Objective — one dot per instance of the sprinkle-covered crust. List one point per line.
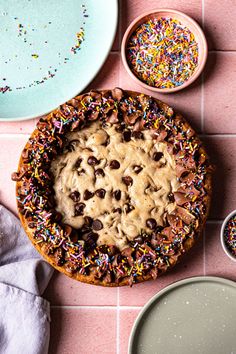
(75, 251)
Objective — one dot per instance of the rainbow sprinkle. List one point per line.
(230, 235)
(162, 53)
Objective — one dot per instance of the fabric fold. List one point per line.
(24, 275)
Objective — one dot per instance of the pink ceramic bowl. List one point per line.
(186, 21)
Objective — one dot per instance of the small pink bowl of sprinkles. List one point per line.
(164, 50)
(228, 235)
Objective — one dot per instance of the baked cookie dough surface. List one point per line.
(124, 184)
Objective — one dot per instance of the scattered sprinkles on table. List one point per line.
(230, 235)
(162, 53)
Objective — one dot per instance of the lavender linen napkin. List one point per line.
(24, 275)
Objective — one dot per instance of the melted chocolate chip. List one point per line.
(79, 209)
(120, 128)
(127, 135)
(157, 156)
(137, 135)
(100, 193)
(81, 172)
(88, 195)
(117, 194)
(151, 223)
(92, 161)
(117, 210)
(114, 164)
(75, 196)
(128, 208)
(171, 197)
(78, 162)
(139, 239)
(99, 172)
(159, 229)
(32, 225)
(88, 220)
(137, 169)
(97, 225)
(127, 180)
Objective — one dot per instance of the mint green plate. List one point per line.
(192, 316)
(37, 61)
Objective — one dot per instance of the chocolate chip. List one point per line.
(90, 239)
(99, 172)
(171, 197)
(117, 210)
(120, 128)
(157, 156)
(78, 162)
(32, 225)
(151, 223)
(114, 164)
(97, 225)
(81, 172)
(79, 209)
(88, 195)
(75, 196)
(128, 208)
(159, 229)
(127, 180)
(137, 169)
(100, 193)
(88, 220)
(127, 135)
(139, 239)
(117, 194)
(137, 135)
(92, 161)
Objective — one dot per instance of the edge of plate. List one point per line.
(168, 289)
(15, 119)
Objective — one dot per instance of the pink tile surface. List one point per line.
(219, 93)
(11, 147)
(134, 8)
(220, 24)
(86, 319)
(85, 331)
(63, 290)
(127, 318)
(216, 261)
(222, 150)
(22, 127)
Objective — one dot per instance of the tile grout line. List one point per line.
(202, 75)
(202, 103)
(97, 307)
(204, 253)
(118, 322)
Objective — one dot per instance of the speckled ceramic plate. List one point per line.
(196, 315)
(42, 63)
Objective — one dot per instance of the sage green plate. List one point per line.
(192, 316)
(37, 61)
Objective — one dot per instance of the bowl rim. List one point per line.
(225, 248)
(200, 66)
